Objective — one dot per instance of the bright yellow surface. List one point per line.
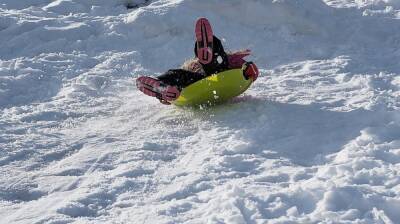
(214, 89)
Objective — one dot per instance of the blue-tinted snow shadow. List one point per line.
(304, 134)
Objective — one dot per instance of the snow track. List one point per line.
(315, 140)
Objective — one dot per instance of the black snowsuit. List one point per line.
(182, 78)
(219, 54)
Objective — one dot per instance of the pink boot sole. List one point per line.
(153, 87)
(204, 38)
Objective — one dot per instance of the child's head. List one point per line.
(193, 65)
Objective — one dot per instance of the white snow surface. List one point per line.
(316, 139)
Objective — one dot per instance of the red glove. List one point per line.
(250, 70)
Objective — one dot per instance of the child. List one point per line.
(210, 59)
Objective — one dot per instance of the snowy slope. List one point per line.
(315, 140)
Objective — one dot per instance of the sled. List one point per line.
(214, 89)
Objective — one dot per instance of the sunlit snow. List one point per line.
(316, 139)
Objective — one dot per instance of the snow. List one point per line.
(315, 140)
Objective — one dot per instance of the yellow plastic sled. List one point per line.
(214, 89)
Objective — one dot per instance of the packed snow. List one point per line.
(316, 139)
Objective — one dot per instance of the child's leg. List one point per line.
(180, 78)
(208, 48)
(219, 62)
